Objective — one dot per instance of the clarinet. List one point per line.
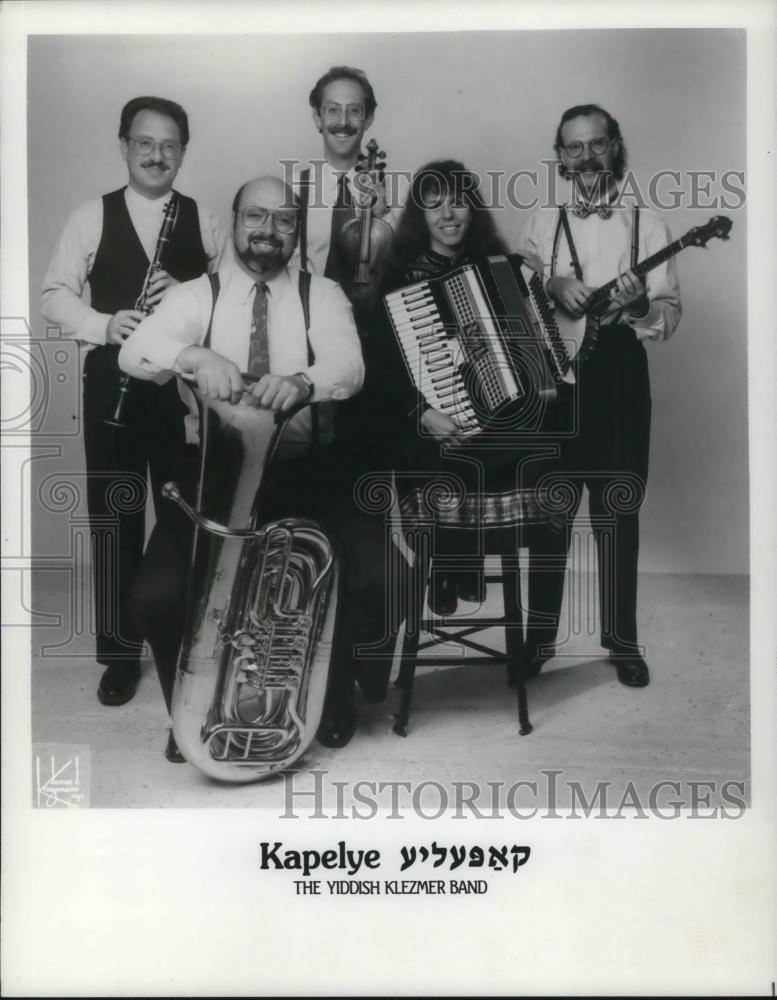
(141, 303)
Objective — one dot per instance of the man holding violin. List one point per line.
(113, 244)
(346, 231)
(343, 104)
(297, 340)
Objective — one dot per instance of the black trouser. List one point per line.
(609, 456)
(308, 488)
(118, 461)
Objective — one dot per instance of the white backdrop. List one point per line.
(492, 100)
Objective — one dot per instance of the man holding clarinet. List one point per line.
(129, 246)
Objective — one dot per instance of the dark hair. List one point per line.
(613, 132)
(445, 177)
(162, 107)
(344, 73)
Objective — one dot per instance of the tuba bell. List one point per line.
(254, 662)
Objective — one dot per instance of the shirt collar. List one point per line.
(137, 201)
(243, 284)
(331, 176)
(601, 206)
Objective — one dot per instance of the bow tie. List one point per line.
(582, 210)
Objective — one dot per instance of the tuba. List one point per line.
(254, 662)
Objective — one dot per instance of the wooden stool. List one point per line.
(420, 540)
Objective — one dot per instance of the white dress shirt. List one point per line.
(604, 250)
(71, 264)
(181, 320)
(322, 196)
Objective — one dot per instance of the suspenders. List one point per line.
(563, 223)
(304, 294)
(304, 197)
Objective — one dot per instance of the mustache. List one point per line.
(588, 165)
(348, 129)
(156, 163)
(272, 240)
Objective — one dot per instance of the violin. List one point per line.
(364, 241)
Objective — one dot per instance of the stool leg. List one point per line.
(419, 582)
(514, 647)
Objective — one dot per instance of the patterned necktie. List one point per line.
(258, 350)
(341, 213)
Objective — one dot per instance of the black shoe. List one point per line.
(442, 595)
(632, 669)
(337, 727)
(172, 752)
(373, 679)
(118, 684)
(471, 586)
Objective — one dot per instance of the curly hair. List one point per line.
(440, 178)
(344, 73)
(613, 133)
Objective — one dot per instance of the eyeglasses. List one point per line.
(597, 146)
(255, 217)
(145, 145)
(333, 112)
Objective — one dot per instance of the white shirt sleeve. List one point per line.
(179, 321)
(662, 284)
(338, 368)
(61, 299)
(535, 240)
(212, 237)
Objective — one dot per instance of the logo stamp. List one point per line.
(60, 776)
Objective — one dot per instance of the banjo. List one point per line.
(581, 332)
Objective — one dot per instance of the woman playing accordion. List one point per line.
(493, 470)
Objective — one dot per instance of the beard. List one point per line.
(596, 183)
(264, 257)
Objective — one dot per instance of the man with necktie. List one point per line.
(586, 243)
(343, 105)
(254, 321)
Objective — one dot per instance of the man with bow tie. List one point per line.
(586, 243)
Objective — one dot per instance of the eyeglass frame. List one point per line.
(353, 112)
(583, 145)
(138, 139)
(271, 213)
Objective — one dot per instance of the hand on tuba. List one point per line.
(279, 393)
(216, 377)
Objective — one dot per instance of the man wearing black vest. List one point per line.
(109, 244)
(343, 105)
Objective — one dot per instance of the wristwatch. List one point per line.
(307, 382)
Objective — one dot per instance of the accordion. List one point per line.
(481, 343)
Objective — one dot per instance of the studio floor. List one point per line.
(690, 724)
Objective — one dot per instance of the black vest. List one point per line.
(120, 263)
